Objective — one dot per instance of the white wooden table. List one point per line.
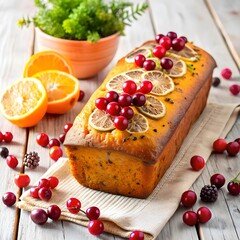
(210, 24)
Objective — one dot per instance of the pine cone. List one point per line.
(209, 193)
(31, 160)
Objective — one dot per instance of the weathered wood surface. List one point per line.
(191, 18)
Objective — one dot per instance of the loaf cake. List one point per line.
(131, 162)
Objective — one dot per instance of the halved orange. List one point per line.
(24, 103)
(62, 90)
(46, 60)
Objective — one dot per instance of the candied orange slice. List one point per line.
(62, 90)
(24, 103)
(46, 60)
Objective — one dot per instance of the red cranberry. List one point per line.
(22, 180)
(190, 218)
(12, 161)
(53, 182)
(127, 112)
(158, 37)
(188, 198)
(54, 142)
(204, 214)
(129, 87)
(146, 87)
(159, 51)
(95, 227)
(34, 192)
(232, 148)
(62, 137)
(9, 199)
(120, 123)
(197, 163)
(218, 180)
(112, 96)
(44, 183)
(45, 193)
(139, 60)
(219, 145)
(93, 213)
(136, 235)
(73, 205)
(81, 96)
(54, 212)
(67, 127)
(101, 103)
(42, 139)
(1, 137)
(166, 42)
(166, 63)
(234, 89)
(237, 140)
(125, 99)
(178, 44)
(39, 216)
(7, 137)
(55, 153)
(184, 38)
(172, 35)
(139, 99)
(233, 188)
(226, 73)
(149, 65)
(113, 108)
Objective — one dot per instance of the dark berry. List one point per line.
(54, 142)
(139, 99)
(190, 218)
(237, 140)
(149, 65)
(136, 235)
(218, 180)
(9, 199)
(93, 213)
(7, 137)
(219, 145)
(112, 96)
(39, 216)
(4, 152)
(172, 35)
(81, 96)
(184, 38)
(209, 193)
(216, 81)
(95, 227)
(188, 198)
(226, 73)
(178, 44)
(233, 188)
(54, 212)
(232, 148)
(62, 137)
(125, 99)
(204, 214)
(166, 63)
(197, 163)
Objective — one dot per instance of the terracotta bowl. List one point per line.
(87, 58)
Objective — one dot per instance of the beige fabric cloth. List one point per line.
(121, 214)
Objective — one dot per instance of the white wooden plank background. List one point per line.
(186, 17)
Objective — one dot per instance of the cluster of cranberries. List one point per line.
(171, 40)
(118, 106)
(55, 151)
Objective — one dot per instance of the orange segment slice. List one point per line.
(62, 90)
(46, 60)
(24, 103)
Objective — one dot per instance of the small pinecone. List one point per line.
(31, 160)
(209, 193)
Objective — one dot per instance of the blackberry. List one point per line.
(4, 152)
(216, 81)
(209, 193)
(31, 160)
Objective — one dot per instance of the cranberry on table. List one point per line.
(129, 87)
(232, 148)
(67, 127)
(233, 188)
(101, 103)
(127, 112)
(145, 87)
(54, 212)
(62, 137)
(54, 142)
(45, 193)
(9, 199)
(4, 152)
(120, 123)
(95, 227)
(234, 89)
(136, 235)
(43, 183)
(218, 180)
(216, 81)
(204, 214)
(226, 73)
(219, 145)
(158, 37)
(197, 163)
(55, 153)
(159, 51)
(39, 216)
(178, 44)
(53, 182)
(12, 161)
(190, 218)
(81, 95)
(166, 63)
(34, 192)
(172, 35)
(22, 180)
(7, 137)
(42, 139)
(139, 99)
(1, 137)
(125, 99)
(139, 60)
(113, 108)
(149, 65)
(73, 205)
(166, 42)
(112, 96)
(188, 198)
(93, 213)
